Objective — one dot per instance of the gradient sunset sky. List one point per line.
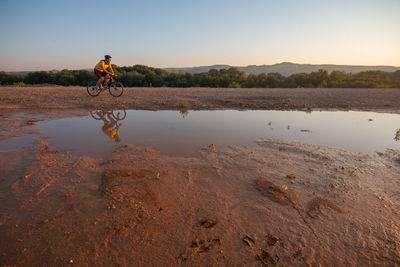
(44, 35)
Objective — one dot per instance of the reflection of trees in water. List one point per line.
(397, 135)
(111, 122)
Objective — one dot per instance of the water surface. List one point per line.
(184, 133)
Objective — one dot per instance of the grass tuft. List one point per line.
(183, 105)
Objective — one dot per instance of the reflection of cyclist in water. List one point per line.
(111, 128)
(111, 122)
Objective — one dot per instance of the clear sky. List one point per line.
(75, 34)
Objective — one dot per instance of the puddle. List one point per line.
(184, 133)
(17, 142)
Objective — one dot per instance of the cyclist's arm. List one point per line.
(112, 71)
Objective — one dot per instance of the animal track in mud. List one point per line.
(270, 254)
(313, 207)
(204, 245)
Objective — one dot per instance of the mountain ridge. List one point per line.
(287, 68)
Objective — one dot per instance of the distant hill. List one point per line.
(26, 72)
(287, 68)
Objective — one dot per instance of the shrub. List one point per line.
(234, 85)
(19, 84)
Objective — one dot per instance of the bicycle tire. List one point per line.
(91, 91)
(116, 89)
(119, 115)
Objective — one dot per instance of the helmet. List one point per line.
(107, 56)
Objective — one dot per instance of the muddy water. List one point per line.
(183, 133)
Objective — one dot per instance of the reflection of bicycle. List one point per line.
(114, 87)
(118, 115)
(111, 121)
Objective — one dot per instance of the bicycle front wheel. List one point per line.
(91, 89)
(116, 89)
(119, 115)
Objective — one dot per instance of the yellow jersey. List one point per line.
(102, 65)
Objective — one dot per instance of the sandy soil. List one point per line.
(282, 203)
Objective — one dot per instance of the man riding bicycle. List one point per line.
(103, 70)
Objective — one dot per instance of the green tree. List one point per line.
(275, 80)
(319, 79)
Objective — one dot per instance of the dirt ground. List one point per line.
(202, 98)
(282, 203)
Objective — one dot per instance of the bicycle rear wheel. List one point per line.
(96, 114)
(116, 89)
(90, 89)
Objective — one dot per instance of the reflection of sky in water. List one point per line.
(170, 133)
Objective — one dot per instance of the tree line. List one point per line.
(140, 75)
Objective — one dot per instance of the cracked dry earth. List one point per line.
(282, 203)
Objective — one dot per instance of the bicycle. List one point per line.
(114, 87)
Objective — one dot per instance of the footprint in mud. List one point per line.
(313, 207)
(201, 242)
(204, 245)
(282, 195)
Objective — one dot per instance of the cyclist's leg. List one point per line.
(107, 78)
(99, 81)
(100, 75)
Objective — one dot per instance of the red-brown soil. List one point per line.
(281, 203)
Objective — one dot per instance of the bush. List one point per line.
(19, 84)
(234, 85)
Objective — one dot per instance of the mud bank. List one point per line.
(281, 203)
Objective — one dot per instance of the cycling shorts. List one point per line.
(100, 73)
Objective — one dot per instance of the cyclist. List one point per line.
(103, 70)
